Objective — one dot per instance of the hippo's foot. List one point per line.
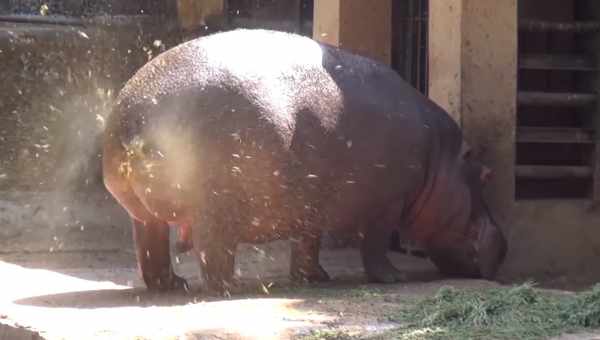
(153, 256)
(314, 275)
(374, 248)
(216, 264)
(305, 265)
(169, 283)
(384, 272)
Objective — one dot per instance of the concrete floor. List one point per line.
(98, 295)
(66, 273)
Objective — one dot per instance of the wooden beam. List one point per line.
(553, 172)
(194, 13)
(363, 27)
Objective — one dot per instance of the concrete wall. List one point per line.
(57, 86)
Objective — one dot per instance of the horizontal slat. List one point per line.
(556, 62)
(553, 172)
(527, 98)
(554, 135)
(530, 25)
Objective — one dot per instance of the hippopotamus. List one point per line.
(256, 135)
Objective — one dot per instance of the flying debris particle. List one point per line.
(312, 176)
(177, 260)
(235, 155)
(276, 173)
(100, 121)
(148, 191)
(44, 9)
(54, 108)
(349, 144)
(83, 34)
(255, 222)
(157, 43)
(178, 186)
(350, 182)
(82, 227)
(154, 101)
(3, 176)
(264, 288)
(147, 254)
(160, 154)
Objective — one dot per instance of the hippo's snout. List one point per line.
(492, 247)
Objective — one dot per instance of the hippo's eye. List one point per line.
(467, 154)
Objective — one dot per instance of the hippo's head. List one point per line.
(467, 242)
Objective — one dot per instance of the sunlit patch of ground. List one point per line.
(99, 296)
(74, 295)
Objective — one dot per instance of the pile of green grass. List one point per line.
(520, 312)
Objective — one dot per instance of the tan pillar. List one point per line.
(489, 86)
(445, 55)
(473, 74)
(195, 13)
(363, 27)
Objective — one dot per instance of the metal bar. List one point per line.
(101, 20)
(553, 172)
(557, 62)
(554, 135)
(526, 98)
(596, 157)
(531, 25)
(41, 19)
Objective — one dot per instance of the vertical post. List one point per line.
(596, 160)
(473, 75)
(445, 55)
(363, 27)
(489, 90)
(194, 14)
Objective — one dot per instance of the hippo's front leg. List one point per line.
(151, 240)
(215, 250)
(305, 265)
(374, 247)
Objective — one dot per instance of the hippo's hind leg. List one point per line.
(374, 248)
(184, 240)
(214, 244)
(305, 265)
(151, 239)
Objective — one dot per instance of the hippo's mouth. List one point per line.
(479, 257)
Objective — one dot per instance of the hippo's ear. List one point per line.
(486, 174)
